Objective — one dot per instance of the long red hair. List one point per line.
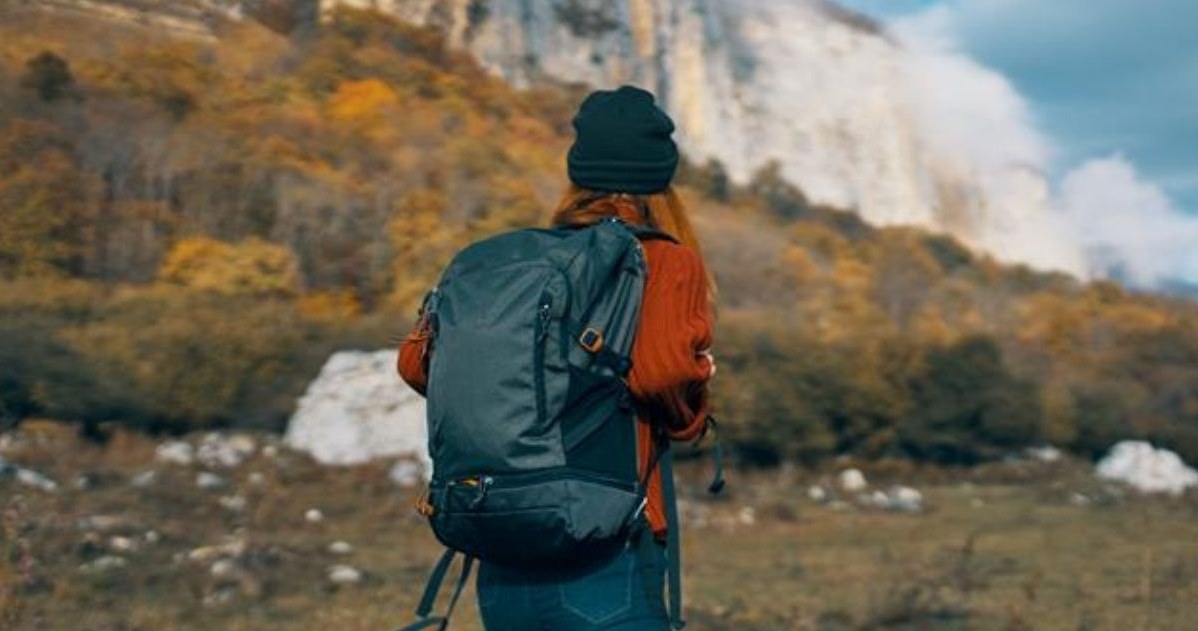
(663, 210)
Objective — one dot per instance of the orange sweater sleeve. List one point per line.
(669, 373)
(413, 357)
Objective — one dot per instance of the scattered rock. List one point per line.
(151, 537)
(270, 451)
(103, 564)
(28, 477)
(341, 548)
(875, 499)
(123, 544)
(144, 479)
(407, 473)
(32, 478)
(231, 549)
(358, 409)
(747, 516)
(313, 516)
(208, 481)
(256, 479)
(817, 493)
(220, 597)
(108, 524)
(177, 452)
(852, 480)
(235, 503)
(904, 499)
(1045, 453)
(228, 451)
(223, 568)
(344, 575)
(897, 498)
(1147, 469)
(1080, 499)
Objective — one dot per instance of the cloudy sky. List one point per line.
(1112, 88)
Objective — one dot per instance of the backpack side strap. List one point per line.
(429, 598)
(673, 538)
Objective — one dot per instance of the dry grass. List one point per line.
(998, 549)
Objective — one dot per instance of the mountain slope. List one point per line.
(822, 91)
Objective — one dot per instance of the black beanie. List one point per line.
(622, 143)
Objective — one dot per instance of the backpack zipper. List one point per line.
(542, 331)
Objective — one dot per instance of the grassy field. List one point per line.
(1003, 547)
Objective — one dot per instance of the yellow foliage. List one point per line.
(362, 101)
(331, 305)
(251, 267)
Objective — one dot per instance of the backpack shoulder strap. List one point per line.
(644, 233)
(429, 598)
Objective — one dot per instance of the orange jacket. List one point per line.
(669, 374)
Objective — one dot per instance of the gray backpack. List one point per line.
(530, 421)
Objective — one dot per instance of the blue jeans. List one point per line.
(624, 593)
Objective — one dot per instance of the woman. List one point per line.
(621, 165)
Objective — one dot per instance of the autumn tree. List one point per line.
(49, 76)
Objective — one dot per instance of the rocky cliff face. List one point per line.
(823, 91)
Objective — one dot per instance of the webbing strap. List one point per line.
(673, 539)
(717, 476)
(433, 587)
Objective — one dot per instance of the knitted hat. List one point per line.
(622, 143)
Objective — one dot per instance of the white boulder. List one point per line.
(219, 450)
(344, 575)
(175, 452)
(1044, 453)
(103, 564)
(359, 409)
(28, 477)
(852, 480)
(1146, 468)
(207, 480)
(904, 499)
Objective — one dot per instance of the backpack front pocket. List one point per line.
(535, 519)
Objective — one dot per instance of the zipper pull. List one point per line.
(483, 482)
(543, 321)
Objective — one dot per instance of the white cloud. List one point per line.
(1125, 221)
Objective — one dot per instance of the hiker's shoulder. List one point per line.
(664, 253)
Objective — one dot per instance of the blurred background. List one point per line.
(956, 245)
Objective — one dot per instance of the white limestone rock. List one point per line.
(177, 452)
(344, 575)
(1146, 468)
(358, 409)
(228, 451)
(852, 480)
(208, 481)
(28, 477)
